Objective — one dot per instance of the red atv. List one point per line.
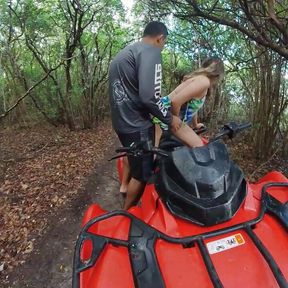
(199, 224)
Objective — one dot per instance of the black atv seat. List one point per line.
(201, 184)
(169, 142)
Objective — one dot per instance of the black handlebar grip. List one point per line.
(244, 126)
(123, 149)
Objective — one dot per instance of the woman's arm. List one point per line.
(195, 123)
(195, 120)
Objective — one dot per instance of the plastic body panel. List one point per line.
(183, 265)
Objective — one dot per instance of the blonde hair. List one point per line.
(211, 67)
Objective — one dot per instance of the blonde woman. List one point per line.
(192, 92)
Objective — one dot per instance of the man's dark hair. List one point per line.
(155, 28)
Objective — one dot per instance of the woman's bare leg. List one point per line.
(188, 136)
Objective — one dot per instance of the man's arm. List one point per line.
(149, 79)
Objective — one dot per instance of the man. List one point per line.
(135, 77)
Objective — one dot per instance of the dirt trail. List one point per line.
(50, 265)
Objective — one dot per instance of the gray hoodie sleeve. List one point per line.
(149, 79)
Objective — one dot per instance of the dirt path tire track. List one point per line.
(50, 265)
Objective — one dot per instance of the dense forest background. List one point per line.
(55, 57)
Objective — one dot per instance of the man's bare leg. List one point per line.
(126, 176)
(158, 134)
(135, 190)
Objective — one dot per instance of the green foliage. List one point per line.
(35, 36)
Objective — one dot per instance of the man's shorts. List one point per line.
(141, 167)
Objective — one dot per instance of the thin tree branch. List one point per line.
(283, 51)
(277, 22)
(29, 91)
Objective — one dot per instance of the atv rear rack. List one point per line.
(143, 259)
